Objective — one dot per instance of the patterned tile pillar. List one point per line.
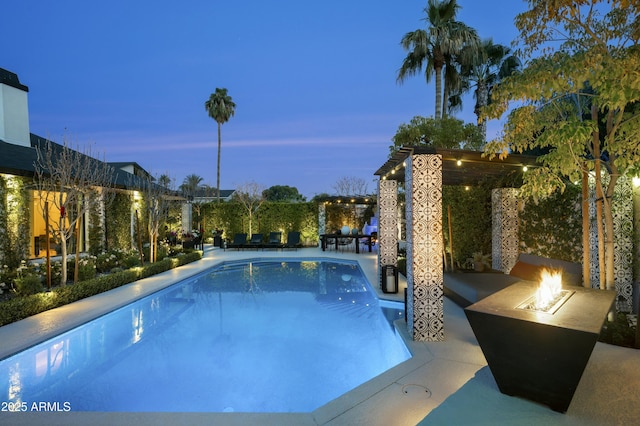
(622, 210)
(425, 296)
(187, 217)
(322, 219)
(387, 224)
(636, 244)
(504, 232)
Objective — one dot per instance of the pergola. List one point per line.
(424, 170)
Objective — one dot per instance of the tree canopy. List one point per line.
(283, 193)
(436, 49)
(447, 132)
(576, 100)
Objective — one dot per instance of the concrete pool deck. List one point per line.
(443, 383)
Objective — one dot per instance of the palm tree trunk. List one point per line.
(219, 145)
(482, 99)
(438, 72)
(445, 98)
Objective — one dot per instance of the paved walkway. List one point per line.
(443, 383)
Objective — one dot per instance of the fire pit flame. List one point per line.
(549, 296)
(549, 290)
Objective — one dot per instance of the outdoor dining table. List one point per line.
(325, 237)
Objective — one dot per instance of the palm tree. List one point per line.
(443, 39)
(165, 181)
(220, 107)
(484, 68)
(190, 185)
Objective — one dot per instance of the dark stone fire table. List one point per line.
(537, 355)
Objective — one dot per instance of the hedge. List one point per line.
(22, 307)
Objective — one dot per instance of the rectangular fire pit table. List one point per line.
(536, 355)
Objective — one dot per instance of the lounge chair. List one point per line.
(275, 240)
(293, 240)
(255, 241)
(239, 241)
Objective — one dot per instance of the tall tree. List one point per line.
(165, 181)
(190, 185)
(448, 132)
(484, 68)
(578, 102)
(221, 108)
(284, 193)
(250, 196)
(157, 200)
(189, 188)
(435, 48)
(350, 186)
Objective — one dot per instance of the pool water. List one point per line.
(258, 336)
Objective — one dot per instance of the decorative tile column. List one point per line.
(425, 315)
(622, 210)
(387, 223)
(504, 232)
(322, 219)
(187, 217)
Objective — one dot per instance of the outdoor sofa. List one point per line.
(467, 288)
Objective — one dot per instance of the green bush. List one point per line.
(106, 261)
(29, 284)
(131, 261)
(24, 306)
(155, 268)
(183, 259)
(232, 218)
(618, 332)
(86, 268)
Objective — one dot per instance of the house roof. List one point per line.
(16, 159)
(20, 161)
(11, 79)
(459, 167)
(138, 170)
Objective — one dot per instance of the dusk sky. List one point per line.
(314, 82)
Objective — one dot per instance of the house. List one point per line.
(22, 218)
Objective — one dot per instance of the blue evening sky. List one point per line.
(314, 82)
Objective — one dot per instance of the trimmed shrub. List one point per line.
(106, 262)
(24, 306)
(27, 285)
(131, 261)
(86, 268)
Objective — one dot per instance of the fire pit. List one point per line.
(549, 296)
(539, 349)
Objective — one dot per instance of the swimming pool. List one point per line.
(257, 336)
